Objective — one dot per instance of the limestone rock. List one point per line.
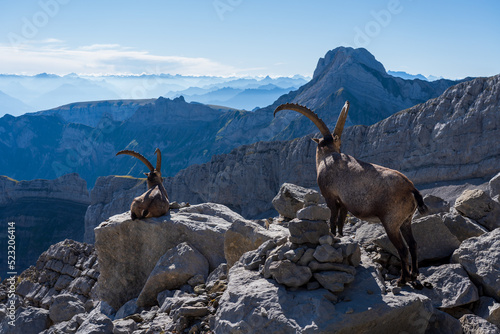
(487, 308)
(451, 286)
(314, 212)
(265, 306)
(443, 323)
(123, 326)
(290, 199)
(351, 252)
(435, 205)
(30, 320)
(368, 232)
(288, 273)
(434, 239)
(244, 236)
(96, 322)
(494, 187)
(333, 280)
(480, 257)
(472, 324)
(306, 231)
(64, 307)
(173, 270)
(326, 253)
(127, 309)
(477, 205)
(128, 250)
(462, 227)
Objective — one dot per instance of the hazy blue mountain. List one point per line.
(12, 106)
(407, 76)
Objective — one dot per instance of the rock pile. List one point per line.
(310, 257)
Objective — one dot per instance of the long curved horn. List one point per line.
(339, 127)
(138, 156)
(158, 159)
(309, 114)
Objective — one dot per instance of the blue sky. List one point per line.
(453, 39)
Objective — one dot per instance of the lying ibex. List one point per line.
(366, 190)
(154, 202)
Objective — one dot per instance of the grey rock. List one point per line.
(434, 204)
(351, 252)
(265, 306)
(494, 186)
(307, 257)
(127, 309)
(477, 205)
(290, 199)
(326, 253)
(288, 273)
(219, 273)
(314, 212)
(480, 257)
(30, 320)
(434, 239)
(64, 307)
(443, 323)
(487, 308)
(462, 227)
(244, 236)
(368, 232)
(451, 286)
(96, 323)
(306, 231)
(173, 270)
(317, 266)
(326, 240)
(334, 280)
(143, 242)
(124, 326)
(295, 254)
(472, 324)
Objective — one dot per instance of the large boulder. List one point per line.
(128, 250)
(265, 306)
(173, 270)
(451, 286)
(462, 227)
(244, 236)
(480, 257)
(434, 239)
(477, 205)
(291, 198)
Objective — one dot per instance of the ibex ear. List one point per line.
(147, 174)
(316, 140)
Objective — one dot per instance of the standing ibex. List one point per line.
(364, 189)
(154, 202)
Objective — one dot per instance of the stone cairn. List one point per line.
(310, 257)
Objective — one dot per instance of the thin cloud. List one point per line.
(53, 56)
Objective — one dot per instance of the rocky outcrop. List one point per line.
(44, 212)
(130, 249)
(425, 142)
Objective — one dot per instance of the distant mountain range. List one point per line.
(21, 94)
(84, 137)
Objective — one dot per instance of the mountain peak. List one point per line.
(345, 56)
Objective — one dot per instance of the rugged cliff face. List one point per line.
(453, 137)
(44, 212)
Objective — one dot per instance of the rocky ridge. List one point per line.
(152, 281)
